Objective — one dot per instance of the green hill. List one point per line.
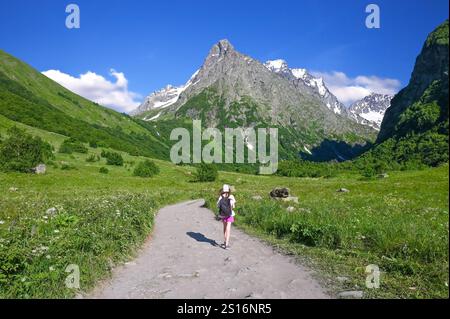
(28, 97)
(415, 127)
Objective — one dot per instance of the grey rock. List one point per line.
(279, 192)
(342, 279)
(40, 169)
(290, 199)
(290, 209)
(257, 197)
(343, 190)
(13, 189)
(51, 211)
(384, 175)
(355, 294)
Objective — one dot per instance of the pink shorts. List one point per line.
(228, 219)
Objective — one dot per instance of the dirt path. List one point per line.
(182, 260)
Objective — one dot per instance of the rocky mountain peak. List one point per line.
(221, 49)
(277, 66)
(371, 109)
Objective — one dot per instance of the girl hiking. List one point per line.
(226, 204)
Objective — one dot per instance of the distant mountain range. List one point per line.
(367, 111)
(232, 89)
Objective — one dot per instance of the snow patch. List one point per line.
(154, 117)
(307, 150)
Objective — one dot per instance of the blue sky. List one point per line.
(151, 44)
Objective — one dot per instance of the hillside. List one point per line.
(428, 84)
(28, 97)
(415, 126)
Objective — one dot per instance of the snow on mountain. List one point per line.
(301, 77)
(163, 98)
(371, 109)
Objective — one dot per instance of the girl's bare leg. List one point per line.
(224, 232)
(227, 234)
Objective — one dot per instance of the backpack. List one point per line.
(225, 207)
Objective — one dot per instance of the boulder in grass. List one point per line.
(51, 211)
(290, 209)
(351, 294)
(40, 169)
(290, 199)
(279, 192)
(343, 190)
(13, 189)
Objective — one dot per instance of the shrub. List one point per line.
(206, 173)
(93, 144)
(113, 158)
(67, 167)
(21, 151)
(146, 169)
(368, 172)
(92, 158)
(103, 170)
(72, 145)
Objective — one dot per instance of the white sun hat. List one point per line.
(226, 188)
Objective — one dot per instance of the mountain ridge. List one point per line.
(233, 89)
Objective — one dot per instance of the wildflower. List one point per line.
(48, 257)
(51, 268)
(2, 222)
(56, 231)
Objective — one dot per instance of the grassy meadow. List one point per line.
(76, 215)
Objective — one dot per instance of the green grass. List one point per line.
(101, 219)
(399, 223)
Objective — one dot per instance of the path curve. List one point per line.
(182, 260)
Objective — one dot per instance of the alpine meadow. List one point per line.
(358, 186)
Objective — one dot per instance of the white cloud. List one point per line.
(349, 90)
(98, 89)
